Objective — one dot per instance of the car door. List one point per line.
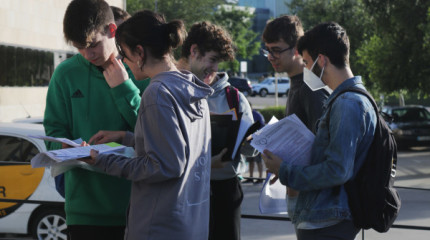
(18, 180)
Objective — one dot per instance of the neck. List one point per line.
(183, 64)
(296, 66)
(337, 76)
(155, 67)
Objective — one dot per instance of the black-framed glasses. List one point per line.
(274, 53)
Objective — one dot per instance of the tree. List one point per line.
(238, 23)
(398, 53)
(190, 11)
(350, 14)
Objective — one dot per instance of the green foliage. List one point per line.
(398, 53)
(190, 11)
(278, 112)
(390, 39)
(238, 23)
(350, 14)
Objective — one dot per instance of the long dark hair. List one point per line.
(150, 30)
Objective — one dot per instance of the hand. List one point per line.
(107, 136)
(216, 160)
(272, 162)
(115, 73)
(92, 159)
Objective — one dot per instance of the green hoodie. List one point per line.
(79, 104)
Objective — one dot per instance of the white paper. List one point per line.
(288, 138)
(58, 167)
(273, 197)
(73, 143)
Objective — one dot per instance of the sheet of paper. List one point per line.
(288, 138)
(73, 143)
(273, 197)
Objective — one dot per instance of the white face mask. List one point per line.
(313, 81)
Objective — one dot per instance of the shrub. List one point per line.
(278, 112)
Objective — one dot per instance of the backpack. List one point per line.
(232, 97)
(372, 198)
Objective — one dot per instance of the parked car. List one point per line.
(242, 84)
(29, 203)
(268, 86)
(410, 125)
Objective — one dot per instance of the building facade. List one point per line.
(31, 46)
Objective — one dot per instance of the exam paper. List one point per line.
(288, 138)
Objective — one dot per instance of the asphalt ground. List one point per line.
(413, 222)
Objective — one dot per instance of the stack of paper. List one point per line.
(64, 159)
(291, 140)
(288, 138)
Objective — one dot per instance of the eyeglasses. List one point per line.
(274, 53)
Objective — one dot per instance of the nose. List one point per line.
(270, 57)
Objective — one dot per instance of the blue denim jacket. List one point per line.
(336, 157)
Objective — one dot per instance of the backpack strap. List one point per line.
(356, 90)
(232, 97)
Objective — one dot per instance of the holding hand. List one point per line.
(107, 136)
(272, 162)
(115, 73)
(216, 160)
(92, 159)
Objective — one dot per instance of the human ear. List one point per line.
(112, 30)
(194, 50)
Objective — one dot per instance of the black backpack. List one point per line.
(372, 198)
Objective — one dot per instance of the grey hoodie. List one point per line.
(170, 175)
(218, 104)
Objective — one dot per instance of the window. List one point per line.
(14, 149)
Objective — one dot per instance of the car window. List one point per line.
(410, 114)
(14, 149)
(267, 81)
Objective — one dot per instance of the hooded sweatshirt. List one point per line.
(218, 104)
(171, 173)
(79, 103)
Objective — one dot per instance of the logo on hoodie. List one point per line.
(77, 94)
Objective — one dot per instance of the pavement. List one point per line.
(412, 180)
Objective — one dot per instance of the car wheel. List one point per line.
(250, 93)
(263, 92)
(49, 224)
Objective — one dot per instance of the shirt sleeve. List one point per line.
(127, 100)
(164, 156)
(335, 166)
(56, 117)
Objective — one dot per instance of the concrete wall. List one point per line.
(21, 102)
(36, 23)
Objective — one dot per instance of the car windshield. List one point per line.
(410, 114)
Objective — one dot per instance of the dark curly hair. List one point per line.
(209, 37)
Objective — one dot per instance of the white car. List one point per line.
(268, 86)
(29, 202)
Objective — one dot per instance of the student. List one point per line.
(280, 37)
(80, 102)
(339, 148)
(205, 47)
(171, 171)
